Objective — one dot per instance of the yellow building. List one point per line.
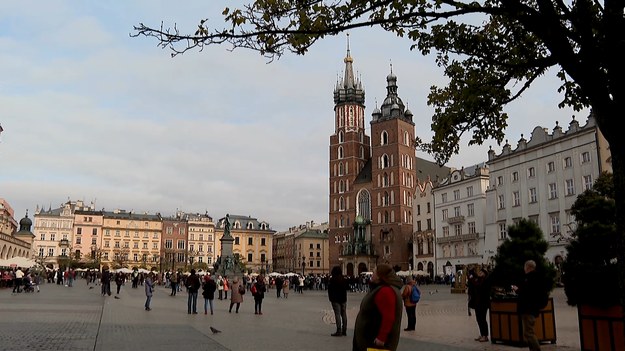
(311, 251)
(131, 239)
(201, 241)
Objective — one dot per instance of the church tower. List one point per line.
(349, 151)
(393, 177)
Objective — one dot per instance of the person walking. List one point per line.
(300, 286)
(193, 286)
(258, 291)
(236, 298)
(479, 300)
(226, 287)
(529, 304)
(105, 280)
(410, 304)
(337, 294)
(18, 276)
(220, 287)
(279, 282)
(119, 280)
(208, 292)
(149, 289)
(173, 282)
(285, 288)
(378, 322)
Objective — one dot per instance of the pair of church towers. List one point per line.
(372, 179)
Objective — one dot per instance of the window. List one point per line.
(136, 245)
(78, 230)
(516, 198)
(145, 246)
(384, 138)
(470, 210)
(445, 231)
(340, 136)
(443, 198)
(429, 222)
(170, 230)
(340, 152)
(551, 167)
(457, 211)
(533, 195)
(418, 210)
(250, 241)
(554, 218)
(236, 240)
(587, 182)
(249, 257)
(52, 237)
(458, 229)
(135, 257)
(445, 214)
(502, 231)
(50, 252)
(429, 207)
(471, 227)
(126, 245)
(531, 172)
(500, 180)
(553, 191)
(418, 226)
(515, 176)
(117, 233)
(469, 191)
(94, 231)
(107, 233)
(568, 162)
(585, 157)
(107, 244)
(43, 237)
(318, 246)
(263, 242)
(456, 194)
(570, 187)
(93, 241)
(181, 244)
(534, 219)
(501, 202)
(116, 245)
(78, 240)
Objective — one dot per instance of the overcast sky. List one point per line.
(91, 114)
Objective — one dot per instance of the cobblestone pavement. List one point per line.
(79, 318)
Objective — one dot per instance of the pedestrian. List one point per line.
(135, 278)
(226, 287)
(106, 281)
(529, 302)
(300, 286)
(479, 300)
(279, 283)
(258, 291)
(173, 281)
(220, 287)
(18, 276)
(378, 322)
(337, 294)
(119, 281)
(208, 292)
(236, 297)
(285, 288)
(409, 304)
(193, 286)
(70, 277)
(149, 290)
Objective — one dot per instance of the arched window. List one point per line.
(364, 204)
(385, 199)
(385, 179)
(341, 137)
(406, 138)
(386, 217)
(341, 204)
(362, 152)
(384, 138)
(341, 168)
(340, 152)
(341, 186)
(361, 137)
(385, 161)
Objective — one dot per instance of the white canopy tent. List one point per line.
(22, 262)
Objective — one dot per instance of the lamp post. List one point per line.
(303, 264)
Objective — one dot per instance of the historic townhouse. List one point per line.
(290, 246)
(87, 245)
(173, 243)
(131, 239)
(201, 239)
(460, 212)
(54, 231)
(252, 241)
(541, 178)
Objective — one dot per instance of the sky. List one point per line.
(90, 113)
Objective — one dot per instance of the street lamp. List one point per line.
(303, 264)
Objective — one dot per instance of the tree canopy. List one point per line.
(491, 51)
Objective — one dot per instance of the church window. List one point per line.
(340, 152)
(406, 138)
(364, 204)
(341, 204)
(341, 137)
(361, 137)
(384, 138)
(385, 180)
(341, 168)
(362, 152)
(385, 161)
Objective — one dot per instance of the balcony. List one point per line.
(456, 238)
(456, 219)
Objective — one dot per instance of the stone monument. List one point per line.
(227, 264)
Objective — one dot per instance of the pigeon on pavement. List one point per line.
(215, 331)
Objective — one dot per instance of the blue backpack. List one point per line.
(415, 296)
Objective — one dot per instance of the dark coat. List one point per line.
(479, 292)
(260, 290)
(193, 283)
(208, 289)
(530, 295)
(337, 289)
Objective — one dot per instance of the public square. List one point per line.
(79, 318)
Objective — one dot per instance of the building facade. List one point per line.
(540, 180)
(54, 231)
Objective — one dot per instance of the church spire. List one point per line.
(350, 90)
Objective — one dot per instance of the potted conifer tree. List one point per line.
(525, 242)
(590, 274)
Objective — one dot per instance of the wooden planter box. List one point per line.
(601, 329)
(506, 326)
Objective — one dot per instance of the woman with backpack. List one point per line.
(409, 297)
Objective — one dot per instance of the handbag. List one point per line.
(241, 290)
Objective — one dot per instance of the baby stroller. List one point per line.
(28, 286)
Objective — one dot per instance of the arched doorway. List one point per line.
(362, 267)
(350, 269)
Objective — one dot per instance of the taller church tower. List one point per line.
(349, 152)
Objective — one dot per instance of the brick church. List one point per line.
(372, 179)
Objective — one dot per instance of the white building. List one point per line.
(541, 179)
(460, 213)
